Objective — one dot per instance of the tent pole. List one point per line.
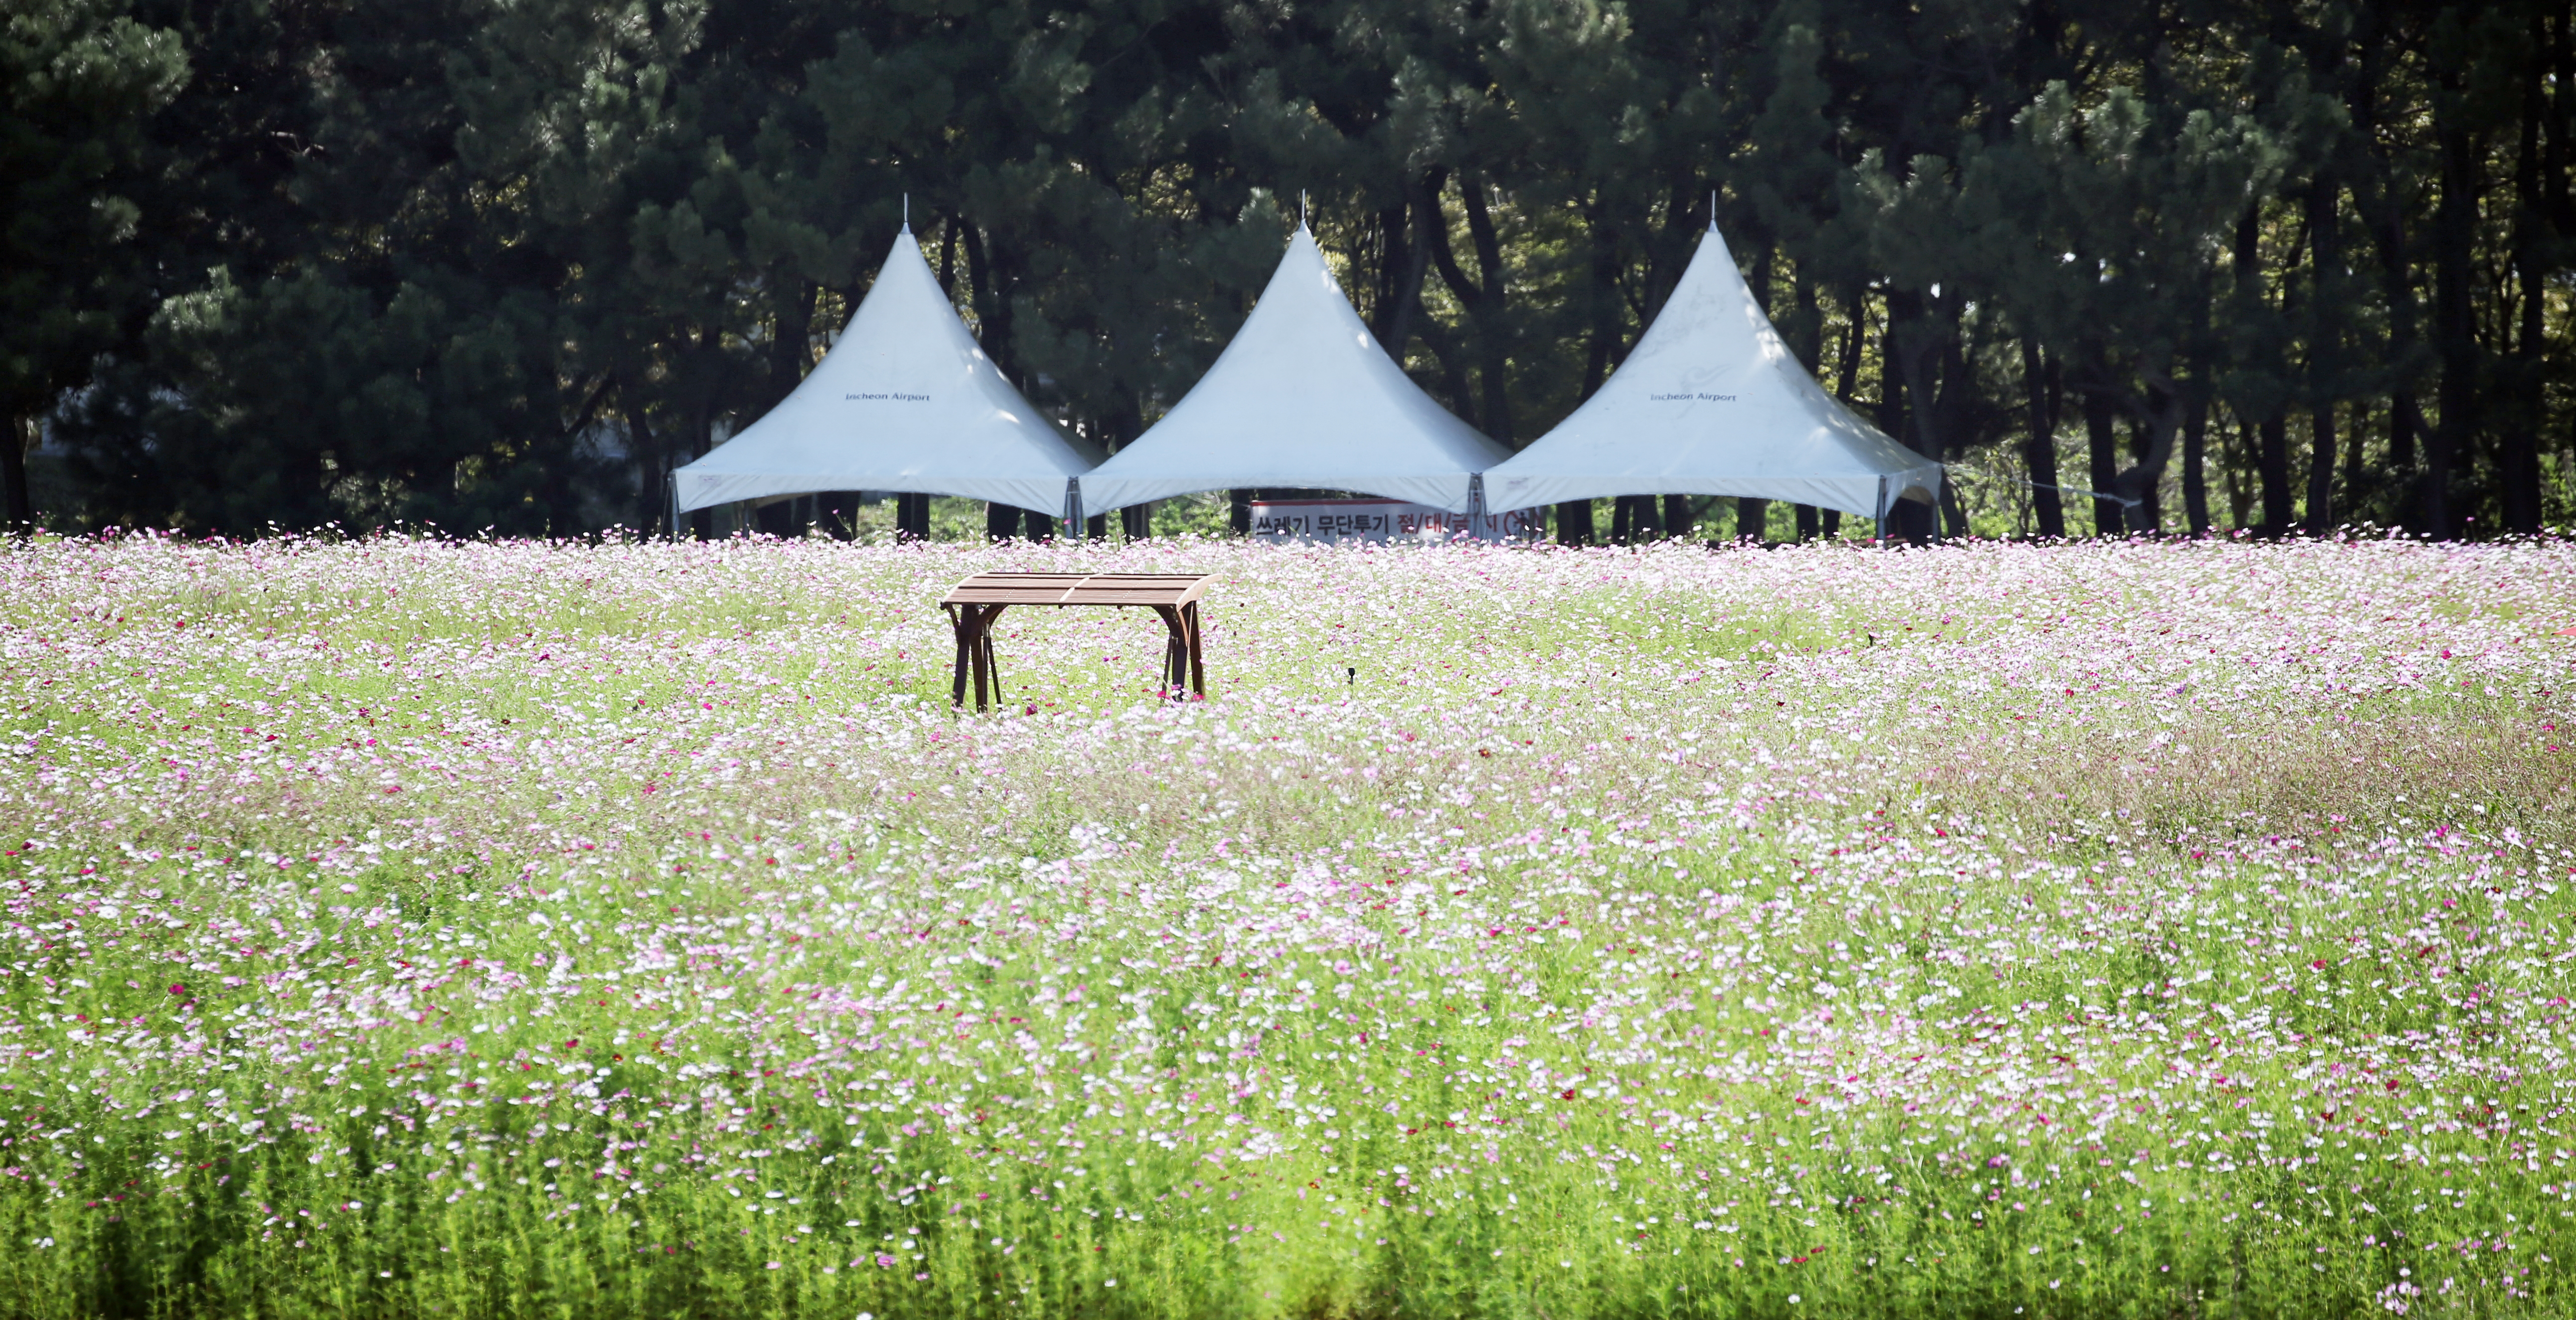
(1882, 510)
(1073, 506)
(671, 493)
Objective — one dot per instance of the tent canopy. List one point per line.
(1710, 402)
(904, 402)
(1302, 397)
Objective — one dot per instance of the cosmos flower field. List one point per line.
(403, 928)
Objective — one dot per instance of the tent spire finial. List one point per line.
(907, 213)
(1301, 208)
(1712, 208)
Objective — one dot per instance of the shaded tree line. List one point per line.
(2173, 265)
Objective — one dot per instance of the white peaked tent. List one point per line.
(1710, 402)
(904, 402)
(1302, 397)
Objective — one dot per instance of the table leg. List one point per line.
(982, 661)
(987, 669)
(957, 621)
(1198, 663)
(1176, 662)
(992, 662)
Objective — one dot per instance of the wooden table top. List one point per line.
(1078, 589)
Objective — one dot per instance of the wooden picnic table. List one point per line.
(973, 604)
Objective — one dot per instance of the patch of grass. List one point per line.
(508, 930)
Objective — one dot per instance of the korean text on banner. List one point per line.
(1388, 520)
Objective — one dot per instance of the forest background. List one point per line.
(501, 264)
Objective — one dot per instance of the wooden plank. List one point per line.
(1004, 596)
(1139, 589)
(1078, 589)
(1014, 588)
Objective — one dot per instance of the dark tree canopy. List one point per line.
(2250, 265)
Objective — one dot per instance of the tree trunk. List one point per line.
(2148, 513)
(2325, 348)
(1855, 331)
(1001, 521)
(2159, 422)
(1493, 324)
(1677, 515)
(1917, 347)
(1574, 522)
(992, 303)
(2520, 476)
(2240, 501)
(2272, 445)
(2454, 314)
(1847, 378)
(21, 513)
(2405, 425)
(1916, 342)
(1484, 298)
(1407, 260)
(2321, 468)
(1891, 376)
(2195, 459)
(1647, 522)
(2103, 450)
(1634, 520)
(2559, 200)
(651, 474)
(2386, 217)
(1137, 521)
(1891, 404)
(837, 511)
(1453, 368)
(2272, 471)
(2040, 384)
(1806, 516)
(1751, 515)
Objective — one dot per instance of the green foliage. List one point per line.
(506, 265)
(79, 80)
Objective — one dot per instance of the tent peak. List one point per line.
(1302, 396)
(1711, 402)
(905, 401)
